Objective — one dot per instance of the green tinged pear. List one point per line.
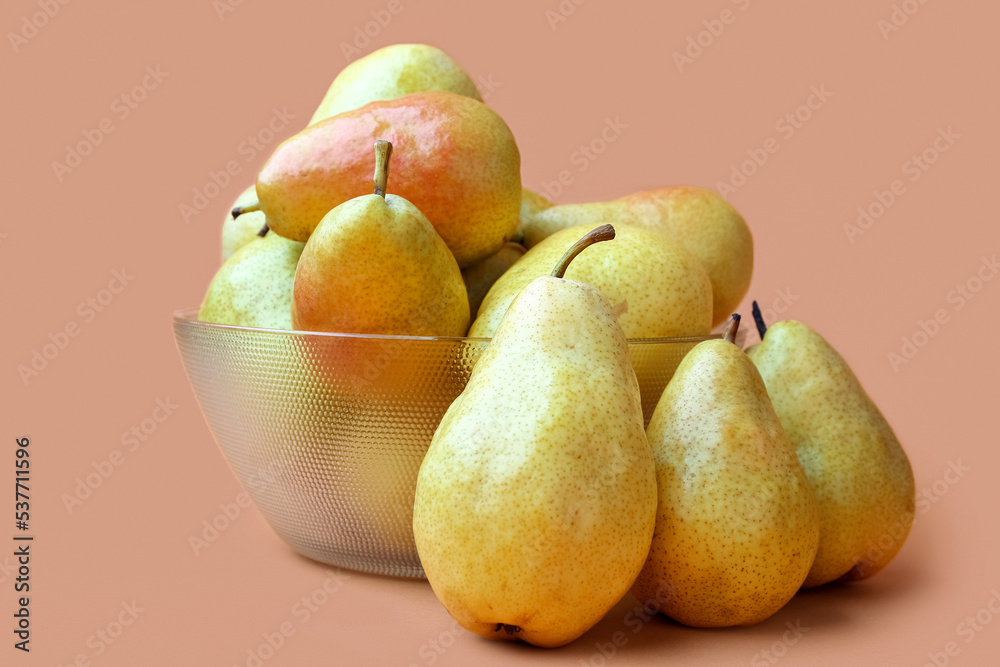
(858, 469)
(244, 228)
(253, 288)
(535, 502)
(391, 72)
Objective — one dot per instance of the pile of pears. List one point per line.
(760, 471)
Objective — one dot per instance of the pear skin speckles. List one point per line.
(666, 290)
(453, 158)
(253, 288)
(700, 220)
(377, 266)
(737, 525)
(535, 502)
(391, 72)
(858, 469)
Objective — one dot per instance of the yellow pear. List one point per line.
(700, 220)
(858, 469)
(391, 72)
(240, 230)
(658, 288)
(531, 204)
(375, 265)
(253, 288)
(736, 525)
(479, 278)
(534, 504)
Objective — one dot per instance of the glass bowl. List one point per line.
(326, 431)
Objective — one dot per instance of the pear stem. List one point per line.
(263, 231)
(734, 326)
(602, 233)
(246, 208)
(383, 151)
(759, 320)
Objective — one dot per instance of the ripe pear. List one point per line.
(239, 230)
(535, 501)
(391, 72)
(375, 265)
(479, 278)
(531, 204)
(457, 162)
(700, 220)
(253, 288)
(657, 287)
(737, 525)
(858, 469)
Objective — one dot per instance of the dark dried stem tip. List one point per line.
(263, 231)
(759, 320)
(602, 233)
(383, 151)
(734, 326)
(508, 628)
(247, 208)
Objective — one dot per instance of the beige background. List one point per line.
(557, 84)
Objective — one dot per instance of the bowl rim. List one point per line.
(189, 317)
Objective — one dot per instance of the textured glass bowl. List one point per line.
(326, 432)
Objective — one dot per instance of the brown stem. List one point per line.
(507, 628)
(383, 151)
(734, 326)
(263, 231)
(246, 208)
(602, 233)
(758, 319)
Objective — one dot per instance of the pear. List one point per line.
(535, 501)
(737, 525)
(253, 288)
(384, 74)
(531, 204)
(457, 162)
(658, 288)
(479, 278)
(375, 265)
(700, 220)
(391, 72)
(858, 469)
(239, 230)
